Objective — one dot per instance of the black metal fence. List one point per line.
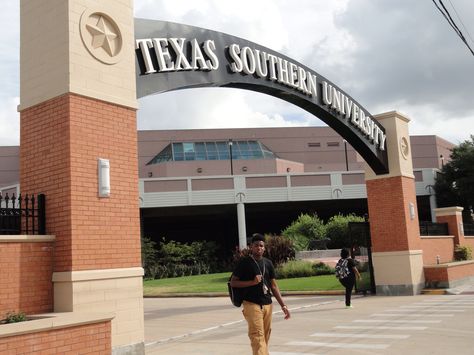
(468, 229)
(23, 215)
(430, 228)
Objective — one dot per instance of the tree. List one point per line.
(305, 229)
(454, 185)
(337, 230)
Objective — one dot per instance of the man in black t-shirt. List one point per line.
(256, 274)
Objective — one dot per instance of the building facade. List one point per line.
(191, 188)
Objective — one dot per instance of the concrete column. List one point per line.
(394, 227)
(433, 207)
(241, 224)
(453, 217)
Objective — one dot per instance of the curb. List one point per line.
(434, 291)
(225, 294)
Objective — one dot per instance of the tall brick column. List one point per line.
(394, 227)
(78, 104)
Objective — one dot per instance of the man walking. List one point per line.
(256, 274)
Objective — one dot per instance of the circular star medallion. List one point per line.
(404, 148)
(101, 36)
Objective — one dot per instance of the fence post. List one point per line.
(41, 214)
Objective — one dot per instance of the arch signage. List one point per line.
(173, 56)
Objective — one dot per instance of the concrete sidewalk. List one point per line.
(213, 326)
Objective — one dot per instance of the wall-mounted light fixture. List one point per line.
(104, 177)
(199, 170)
(288, 170)
(411, 207)
(150, 174)
(244, 168)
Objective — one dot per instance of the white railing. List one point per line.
(240, 192)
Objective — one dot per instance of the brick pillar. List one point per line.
(78, 104)
(394, 227)
(453, 217)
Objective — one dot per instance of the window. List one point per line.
(333, 144)
(219, 150)
(314, 144)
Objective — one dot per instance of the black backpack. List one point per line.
(341, 269)
(236, 294)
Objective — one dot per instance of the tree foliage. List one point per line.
(337, 230)
(303, 230)
(454, 185)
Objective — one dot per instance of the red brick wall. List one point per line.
(61, 140)
(84, 339)
(433, 275)
(390, 225)
(453, 222)
(25, 278)
(449, 273)
(444, 247)
(470, 242)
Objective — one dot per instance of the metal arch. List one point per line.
(159, 82)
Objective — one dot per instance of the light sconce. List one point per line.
(199, 170)
(104, 177)
(288, 170)
(411, 208)
(244, 168)
(150, 174)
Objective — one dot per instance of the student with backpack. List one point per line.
(256, 275)
(347, 273)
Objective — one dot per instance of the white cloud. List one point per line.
(9, 122)
(387, 55)
(206, 108)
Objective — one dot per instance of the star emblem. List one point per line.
(103, 35)
(404, 148)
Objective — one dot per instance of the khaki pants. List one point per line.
(259, 319)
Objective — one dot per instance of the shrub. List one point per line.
(13, 317)
(175, 259)
(304, 229)
(294, 268)
(279, 249)
(462, 253)
(148, 256)
(322, 269)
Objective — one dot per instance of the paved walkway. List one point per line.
(423, 324)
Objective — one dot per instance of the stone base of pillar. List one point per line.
(398, 273)
(118, 291)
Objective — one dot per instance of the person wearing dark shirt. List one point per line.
(349, 281)
(256, 274)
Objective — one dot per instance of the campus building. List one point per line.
(190, 188)
(78, 108)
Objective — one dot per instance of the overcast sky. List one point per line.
(388, 55)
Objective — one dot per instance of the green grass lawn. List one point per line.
(218, 283)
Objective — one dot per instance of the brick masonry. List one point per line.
(61, 140)
(390, 225)
(448, 275)
(433, 247)
(84, 339)
(25, 282)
